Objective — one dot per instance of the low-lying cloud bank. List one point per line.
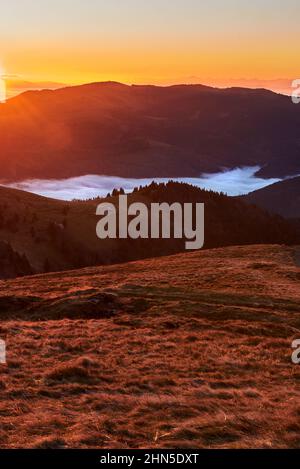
(236, 181)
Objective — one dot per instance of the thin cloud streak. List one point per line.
(236, 181)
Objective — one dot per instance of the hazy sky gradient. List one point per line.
(73, 41)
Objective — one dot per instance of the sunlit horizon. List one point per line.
(219, 43)
(2, 86)
(11, 86)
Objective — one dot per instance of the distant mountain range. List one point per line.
(147, 131)
(16, 85)
(282, 198)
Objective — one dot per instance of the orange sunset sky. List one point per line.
(220, 42)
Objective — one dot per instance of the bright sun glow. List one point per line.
(2, 86)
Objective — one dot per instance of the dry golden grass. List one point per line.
(192, 350)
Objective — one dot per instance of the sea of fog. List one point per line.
(236, 181)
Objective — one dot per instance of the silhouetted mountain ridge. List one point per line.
(282, 198)
(55, 235)
(147, 131)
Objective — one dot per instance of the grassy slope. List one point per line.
(194, 351)
(37, 212)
